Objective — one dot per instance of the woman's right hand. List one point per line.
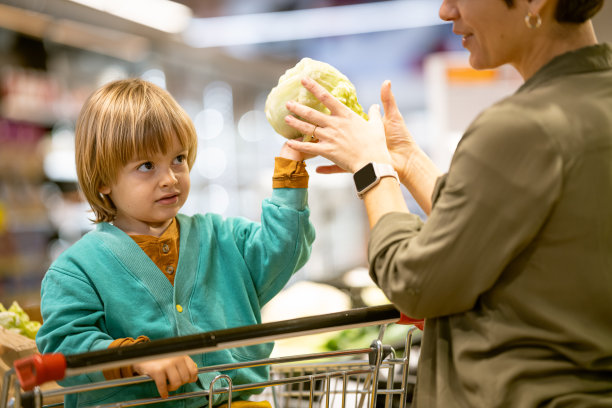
(169, 373)
(344, 137)
(400, 142)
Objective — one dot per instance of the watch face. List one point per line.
(364, 177)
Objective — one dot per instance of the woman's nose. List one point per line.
(448, 10)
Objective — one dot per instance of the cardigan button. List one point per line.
(179, 308)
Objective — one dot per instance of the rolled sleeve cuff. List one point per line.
(126, 371)
(289, 174)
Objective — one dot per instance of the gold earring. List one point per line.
(533, 20)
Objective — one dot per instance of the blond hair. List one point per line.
(122, 120)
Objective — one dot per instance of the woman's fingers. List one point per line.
(330, 169)
(334, 105)
(307, 148)
(306, 127)
(388, 100)
(374, 114)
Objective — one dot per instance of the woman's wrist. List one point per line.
(419, 174)
(381, 158)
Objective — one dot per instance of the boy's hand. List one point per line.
(169, 373)
(292, 154)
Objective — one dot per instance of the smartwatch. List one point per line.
(369, 175)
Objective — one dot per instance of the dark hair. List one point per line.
(573, 11)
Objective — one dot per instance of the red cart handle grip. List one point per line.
(420, 323)
(39, 368)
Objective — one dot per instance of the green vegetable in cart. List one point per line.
(16, 319)
(289, 88)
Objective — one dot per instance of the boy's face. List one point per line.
(149, 191)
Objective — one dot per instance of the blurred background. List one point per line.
(219, 59)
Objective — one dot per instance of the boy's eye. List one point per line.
(180, 159)
(148, 166)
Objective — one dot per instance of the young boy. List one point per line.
(147, 272)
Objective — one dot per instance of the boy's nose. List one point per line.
(169, 178)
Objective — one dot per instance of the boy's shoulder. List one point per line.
(210, 221)
(95, 243)
(88, 241)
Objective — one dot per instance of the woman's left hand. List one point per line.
(344, 137)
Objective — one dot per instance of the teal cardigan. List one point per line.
(105, 287)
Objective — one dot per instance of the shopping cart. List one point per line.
(366, 377)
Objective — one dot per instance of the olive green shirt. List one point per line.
(513, 268)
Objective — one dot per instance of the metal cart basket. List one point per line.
(367, 377)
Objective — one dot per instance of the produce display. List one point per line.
(17, 320)
(289, 88)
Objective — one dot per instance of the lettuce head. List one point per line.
(289, 88)
(16, 319)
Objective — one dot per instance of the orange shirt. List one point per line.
(164, 251)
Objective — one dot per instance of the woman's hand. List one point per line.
(343, 137)
(415, 169)
(399, 140)
(169, 373)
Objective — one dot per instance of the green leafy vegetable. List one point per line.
(16, 319)
(289, 88)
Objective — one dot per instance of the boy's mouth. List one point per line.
(169, 199)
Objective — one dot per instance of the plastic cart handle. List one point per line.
(420, 323)
(40, 368)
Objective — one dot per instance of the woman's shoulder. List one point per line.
(512, 126)
(512, 116)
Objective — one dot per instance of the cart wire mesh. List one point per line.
(372, 376)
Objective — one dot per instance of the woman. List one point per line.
(513, 268)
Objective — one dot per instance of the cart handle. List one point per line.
(39, 368)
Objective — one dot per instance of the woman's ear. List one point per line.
(104, 190)
(537, 7)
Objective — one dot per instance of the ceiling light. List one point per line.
(311, 23)
(163, 15)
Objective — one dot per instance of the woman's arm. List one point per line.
(348, 140)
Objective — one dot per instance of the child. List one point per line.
(147, 272)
